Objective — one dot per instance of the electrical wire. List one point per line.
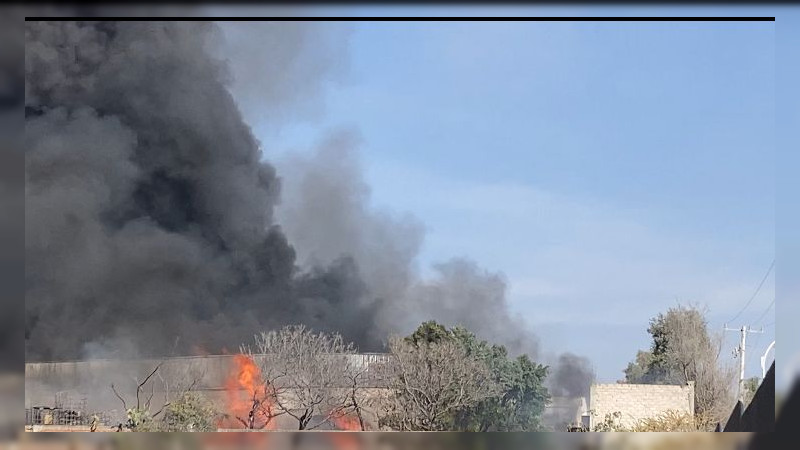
(764, 314)
(771, 266)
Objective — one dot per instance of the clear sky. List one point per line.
(609, 170)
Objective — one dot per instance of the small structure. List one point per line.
(635, 402)
(566, 414)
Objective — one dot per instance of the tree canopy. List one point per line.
(684, 350)
(519, 400)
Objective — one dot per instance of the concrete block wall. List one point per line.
(92, 380)
(638, 401)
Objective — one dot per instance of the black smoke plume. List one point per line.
(154, 226)
(149, 210)
(572, 376)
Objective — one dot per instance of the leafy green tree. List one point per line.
(429, 332)
(522, 396)
(638, 371)
(684, 350)
(190, 412)
(520, 404)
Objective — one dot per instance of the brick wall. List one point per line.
(638, 401)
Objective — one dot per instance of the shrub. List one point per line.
(190, 412)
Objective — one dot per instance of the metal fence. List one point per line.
(69, 410)
(43, 415)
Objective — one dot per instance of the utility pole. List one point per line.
(740, 352)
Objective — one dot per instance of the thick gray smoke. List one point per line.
(280, 69)
(12, 187)
(572, 376)
(149, 211)
(326, 213)
(153, 226)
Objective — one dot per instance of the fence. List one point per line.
(69, 410)
(759, 414)
(66, 417)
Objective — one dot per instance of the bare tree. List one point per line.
(258, 410)
(430, 381)
(356, 400)
(139, 417)
(694, 354)
(175, 384)
(262, 409)
(310, 375)
(684, 350)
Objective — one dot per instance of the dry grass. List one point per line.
(667, 421)
(673, 421)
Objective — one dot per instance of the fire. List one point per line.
(347, 423)
(346, 441)
(249, 376)
(248, 403)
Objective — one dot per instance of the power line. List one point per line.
(771, 266)
(764, 314)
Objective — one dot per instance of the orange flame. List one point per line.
(347, 440)
(347, 423)
(249, 406)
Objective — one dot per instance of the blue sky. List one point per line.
(609, 170)
(788, 187)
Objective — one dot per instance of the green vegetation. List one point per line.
(190, 412)
(683, 350)
(518, 402)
